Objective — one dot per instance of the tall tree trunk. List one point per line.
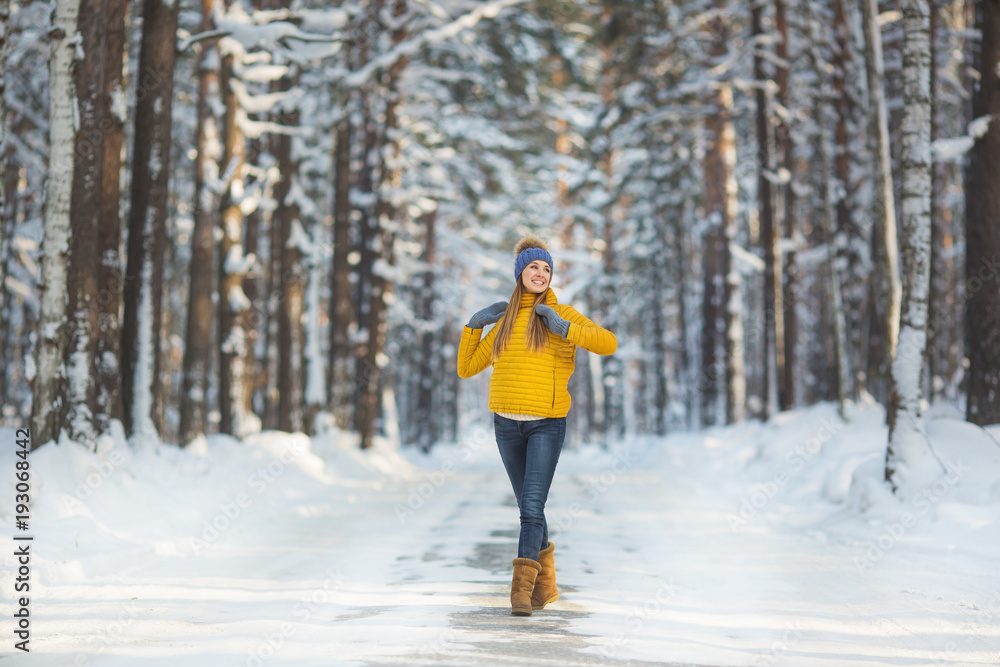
(982, 240)
(831, 278)
(94, 275)
(7, 335)
(450, 386)
(197, 339)
(292, 286)
(6, 191)
(720, 209)
(612, 369)
(736, 383)
(4, 50)
(142, 397)
(659, 328)
(681, 275)
(48, 399)
(110, 35)
(611, 366)
(785, 150)
(339, 384)
(269, 372)
(365, 382)
(255, 318)
(843, 107)
(949, 318)
(313, 374)
(908, 456)
(381, 237)
(708, 381)
(937, 306)
(887, 289)
(427, 431)
(232, 263)
(770, 236)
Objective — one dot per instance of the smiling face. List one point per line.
(536, 276)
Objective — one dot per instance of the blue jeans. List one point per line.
(530, 451)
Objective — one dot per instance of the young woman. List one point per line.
(532, 350)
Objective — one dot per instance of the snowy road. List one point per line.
(412, 567)
(419, 575)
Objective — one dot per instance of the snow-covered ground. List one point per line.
(758, 544)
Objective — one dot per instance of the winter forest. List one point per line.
(226, 217)
(236, 217)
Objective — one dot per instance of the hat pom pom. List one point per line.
(529, 241)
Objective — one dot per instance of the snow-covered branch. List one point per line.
(413, 45)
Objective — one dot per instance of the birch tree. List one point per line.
(909, 459)
(48, 400)
(982, 195)
(83, 229)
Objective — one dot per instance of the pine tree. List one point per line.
(831, 276)
(233, 265)
(982, 259)
(770, 223)
(200, 311)
(143, 292)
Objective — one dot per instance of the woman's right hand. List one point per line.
(487, 315)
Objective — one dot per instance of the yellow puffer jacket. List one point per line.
(528, 382)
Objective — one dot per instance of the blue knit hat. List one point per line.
(528, 256)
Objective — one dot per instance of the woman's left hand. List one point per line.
(556, 324)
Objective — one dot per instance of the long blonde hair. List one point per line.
(537, 335)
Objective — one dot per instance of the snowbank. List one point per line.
(774, 543)
(98, 512)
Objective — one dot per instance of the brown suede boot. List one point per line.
(545, 590)
(525, 572)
